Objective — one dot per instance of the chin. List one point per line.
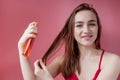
(87, 44)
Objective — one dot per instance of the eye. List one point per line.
(92, 24)
(79, 25)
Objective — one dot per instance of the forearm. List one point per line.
(24, 46)
(26, 67)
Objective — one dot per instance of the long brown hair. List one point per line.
(72, 54)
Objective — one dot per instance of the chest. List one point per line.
(88, 69)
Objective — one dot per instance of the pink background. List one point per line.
(51, 15)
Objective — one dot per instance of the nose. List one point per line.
(86, 29)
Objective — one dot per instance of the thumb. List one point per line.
(37, 65)
(43, 66)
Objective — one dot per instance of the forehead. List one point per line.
(85, 15)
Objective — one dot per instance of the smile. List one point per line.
(87, 37)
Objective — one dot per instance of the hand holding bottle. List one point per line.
(26, 41)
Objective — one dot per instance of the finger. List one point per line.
(36, 65)
(25, 38)
(43, 65)
(37, 70)
(31, 30)
(28, 36)
(33, 25)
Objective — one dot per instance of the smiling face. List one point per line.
(85, 28)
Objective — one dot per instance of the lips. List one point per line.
(87, 37)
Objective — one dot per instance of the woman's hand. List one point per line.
(41, 71)
(30, 32)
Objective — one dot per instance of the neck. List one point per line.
(86, 51)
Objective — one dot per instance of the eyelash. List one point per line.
(79, 25)
(91, 24)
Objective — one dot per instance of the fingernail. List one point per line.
(35, 24)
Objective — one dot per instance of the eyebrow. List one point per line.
(88, 21)
(92, 21)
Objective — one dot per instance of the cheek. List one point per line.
(96, 32)
(77, 34)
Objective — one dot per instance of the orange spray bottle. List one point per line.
(29, 43)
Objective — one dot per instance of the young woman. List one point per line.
(83, 58)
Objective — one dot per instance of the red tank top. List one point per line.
(74, 77)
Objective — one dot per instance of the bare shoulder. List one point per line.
(110, 66)
(59, 59)
(111, 59)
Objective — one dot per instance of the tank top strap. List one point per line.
(99, 69)
(101, 59)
